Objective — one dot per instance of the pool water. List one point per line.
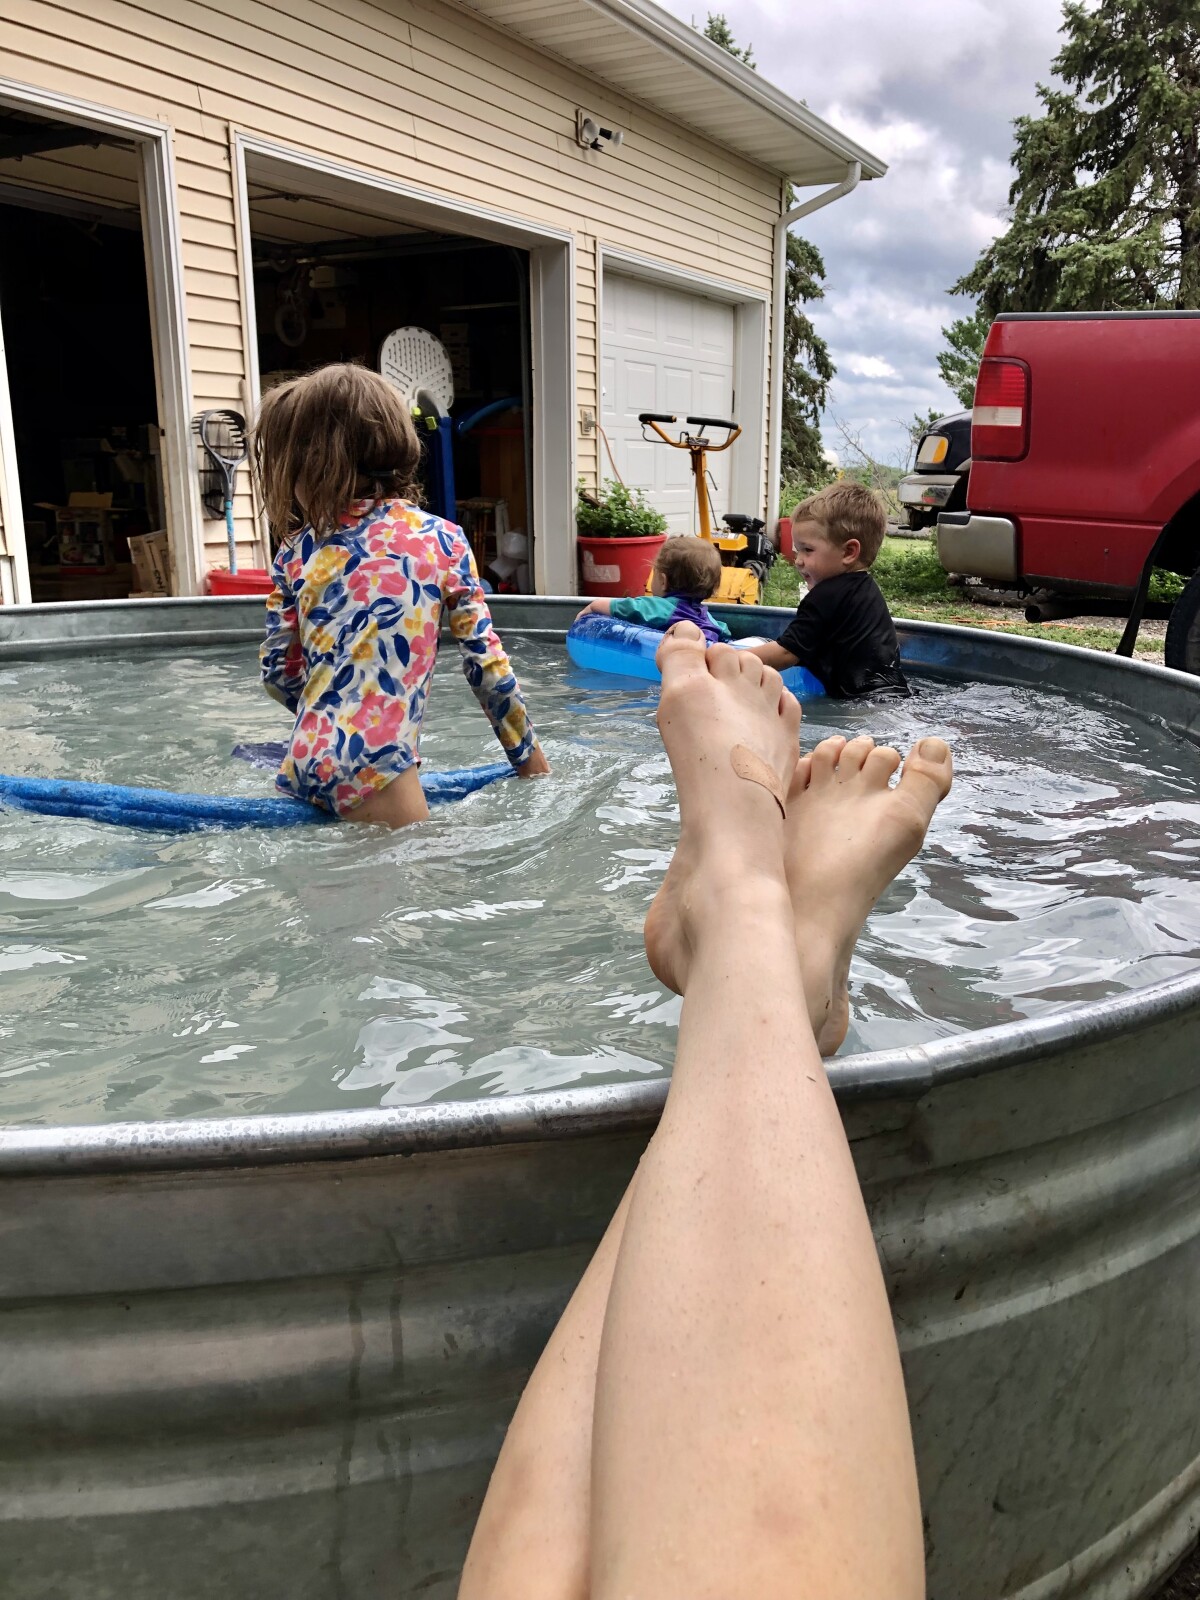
(497, 948)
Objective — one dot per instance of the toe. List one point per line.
(791, 711)
(879, 765)
(825, 759)
(771, 685)
(801, 778)
(681, 654)
(734, 666)
(855, 753)
(928, 772)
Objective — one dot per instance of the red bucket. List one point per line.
(785, 538)
(246, 580)
(615, 567)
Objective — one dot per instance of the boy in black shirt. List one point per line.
(842, 631)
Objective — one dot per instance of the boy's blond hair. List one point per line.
(689, 566)
(846, 511)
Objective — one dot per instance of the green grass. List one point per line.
(914, 585)
(907, 570)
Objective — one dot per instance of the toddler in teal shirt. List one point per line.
(686, 572)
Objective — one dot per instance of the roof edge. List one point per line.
(652, 22)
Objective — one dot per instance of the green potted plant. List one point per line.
(619, 533)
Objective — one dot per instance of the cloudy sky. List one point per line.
(931, 86)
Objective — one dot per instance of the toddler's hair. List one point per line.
(338, 434)
(689, 566)
(846, 511)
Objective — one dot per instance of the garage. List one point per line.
(667, 350)
(444, 316)
(342, 263)
(78, 361)
(579, 201)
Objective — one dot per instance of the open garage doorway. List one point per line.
(335, 259)
(79, 362)
(332, 282)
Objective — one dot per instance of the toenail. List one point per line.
(929, 747)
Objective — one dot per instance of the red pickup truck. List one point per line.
(1085, 463)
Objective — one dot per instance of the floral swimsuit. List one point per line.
(352, 638)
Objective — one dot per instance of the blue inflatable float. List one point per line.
(609, 644)
(190, 813)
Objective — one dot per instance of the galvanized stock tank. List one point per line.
(275, 1356)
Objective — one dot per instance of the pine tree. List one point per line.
(807, 366)
(959, 365)
(1106, 198)
(718, 30)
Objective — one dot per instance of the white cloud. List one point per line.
(869, 367)
(931, 86)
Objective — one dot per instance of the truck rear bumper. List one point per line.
(979, 547)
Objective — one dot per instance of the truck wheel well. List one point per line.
(1181, 539)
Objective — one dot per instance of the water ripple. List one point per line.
(497, 948)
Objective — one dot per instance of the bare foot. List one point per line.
(848, 834)
(731, 829)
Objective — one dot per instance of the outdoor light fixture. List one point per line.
(592, 136)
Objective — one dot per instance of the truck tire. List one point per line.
(1182, 647)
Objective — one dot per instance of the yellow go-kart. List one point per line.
(746, 553)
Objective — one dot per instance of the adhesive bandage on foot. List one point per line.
(755, 770)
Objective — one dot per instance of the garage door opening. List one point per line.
(331, 282)
(75, 308)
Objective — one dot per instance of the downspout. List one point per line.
(775, 423)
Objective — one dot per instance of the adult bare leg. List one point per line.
(532, 1539)
(750, 1428)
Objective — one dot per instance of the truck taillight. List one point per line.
(1000, 420)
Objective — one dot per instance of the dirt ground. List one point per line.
(990, 604)
(1153, 628)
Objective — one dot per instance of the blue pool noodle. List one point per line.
(166, 812)
(609, 644)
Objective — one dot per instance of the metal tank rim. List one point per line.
(1170, 698)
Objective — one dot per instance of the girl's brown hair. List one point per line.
(338, 434)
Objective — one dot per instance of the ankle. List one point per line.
(735, 899)
(818, 948)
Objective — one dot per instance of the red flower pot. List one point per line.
(246, 580)
(615, 567)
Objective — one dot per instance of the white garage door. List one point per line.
(664, 350)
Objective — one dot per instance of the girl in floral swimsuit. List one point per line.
(361, 577)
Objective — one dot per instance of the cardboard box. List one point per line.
(151, 563)
(85, 534)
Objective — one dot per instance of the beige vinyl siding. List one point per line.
(423, 92)
(591, 461)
